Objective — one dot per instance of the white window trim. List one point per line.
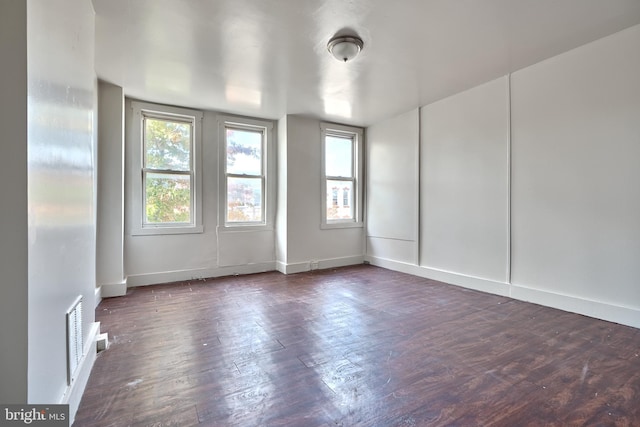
(138, 227)
(358, 138)
(268, 165)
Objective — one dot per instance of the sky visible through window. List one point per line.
(244, 152)
(338, 152)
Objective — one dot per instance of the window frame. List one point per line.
(268, 173)
(357, 136)
(141, 111)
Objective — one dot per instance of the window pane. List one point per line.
(167, 145)
(168, 198)
(339, 200)
(338, 156)
(244, 152)
(244, 199)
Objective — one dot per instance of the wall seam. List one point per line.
(418, 188)
(509, 176)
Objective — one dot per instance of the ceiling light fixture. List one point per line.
(345, 48)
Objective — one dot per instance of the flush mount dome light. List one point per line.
(345, 48)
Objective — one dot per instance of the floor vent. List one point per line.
(75, 344)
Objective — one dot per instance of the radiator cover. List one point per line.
(75, 344)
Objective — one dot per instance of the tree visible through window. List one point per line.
(245, 178)
(167, 170)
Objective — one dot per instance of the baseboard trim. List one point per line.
(109, 290)
(135, 280)
(281, 267)
(98, 296)
(340, 262)
(465, 281)
(612, 313)
(73, 394)
(321, 264)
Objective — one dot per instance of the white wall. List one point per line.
(164, 258)
(464, 183)
(529, 184)
(61, 183)
(13, 226)
(110, 273)
(305, 240)
(392, 192)
(576, 175)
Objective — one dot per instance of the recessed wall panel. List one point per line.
(576, 174)
(464, 183)
(392, 188)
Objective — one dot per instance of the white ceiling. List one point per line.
(268, 58)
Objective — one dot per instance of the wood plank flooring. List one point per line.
(355, 346)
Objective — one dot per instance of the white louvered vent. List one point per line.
(74, 338)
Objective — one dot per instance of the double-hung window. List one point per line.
(167, 189)
(342, 176)
(246, 182)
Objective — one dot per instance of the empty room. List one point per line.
(320, 213)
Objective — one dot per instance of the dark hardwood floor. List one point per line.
(355, 346)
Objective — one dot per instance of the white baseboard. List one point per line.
(600, 310)
(98, 296)
(613, 313)
(296, 267)
(469, 282)
(73, 394)
(340, 262)
(134, 280)
(321, 264)
(108, 290)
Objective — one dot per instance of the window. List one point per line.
(346, 197)
(246, 186)
(167, 187)
(342, 176)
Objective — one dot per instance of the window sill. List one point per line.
(159, 231)
(244, 228)
(334, 225)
